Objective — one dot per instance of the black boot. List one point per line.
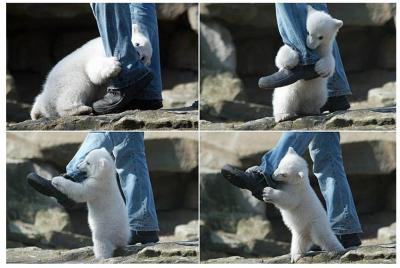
(347, 241)
(333, 104)
(119, 100)
(144, 237)
(253, 181)
(45, 187)
(286, 77)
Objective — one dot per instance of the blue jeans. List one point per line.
(127, 148)
(114, 21)
(291, 19)
(326, 154)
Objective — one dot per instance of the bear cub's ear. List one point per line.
(291, 150)
(310, 9)
(338, 23)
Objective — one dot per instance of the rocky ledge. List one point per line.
(361, 119)
(384, 253)
(184, 118)
(167, 252)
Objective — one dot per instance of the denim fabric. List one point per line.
(291, 19)
(114, 21)
(145, 15)
(325, 151)
(127, 148)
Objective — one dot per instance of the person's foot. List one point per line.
(119, 100)
(45, 187)
(347, 241)
(145, 105)
(337, 103)
(286, 77)
(144, 237)
(253, 181)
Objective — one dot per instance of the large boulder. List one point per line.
(219, 87)
(22, 201)
(167, 252)
(129, 120)
(362, 119)
(374, 254)
(384, 96)
(216, 47)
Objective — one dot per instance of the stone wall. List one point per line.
(39, 35)
(235, 223)
(33, 219)
(242, 40)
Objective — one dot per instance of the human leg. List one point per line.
(325, 151)
(114, 24)
(130, 159)
(144, 15)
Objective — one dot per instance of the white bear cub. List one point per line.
(301, 210)
(81, 78)
(108, 215)
(306, 97)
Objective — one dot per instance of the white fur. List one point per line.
(108, 215)
(301, 210)
(81, 78)
(307, 97)
(141, 41)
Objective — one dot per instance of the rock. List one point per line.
(376, 254)
(362, 119)
(170, 252)
(363, 14)
(384, 96)
(182, 95)
(44, 147)
(187, 232)
(53, 219)
(267, 247)
(17, 111)
(223, 204)
(67, 240)
(182, 151)
(260, 15)
(10, 88)
(22, 201)
(387, 234)
(226, 242)
(253, 228)
(387, 52)
(216, 47)
(24, 233)
(214, 155)
(129, 120)
(171, 11)
(193, 17)
(236, 111)
(221, 87)
(183, 50)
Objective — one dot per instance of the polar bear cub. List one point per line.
(306, 97)
(81, 78)
(301, 210)
(108, 215)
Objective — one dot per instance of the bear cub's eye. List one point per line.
(320, 37)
